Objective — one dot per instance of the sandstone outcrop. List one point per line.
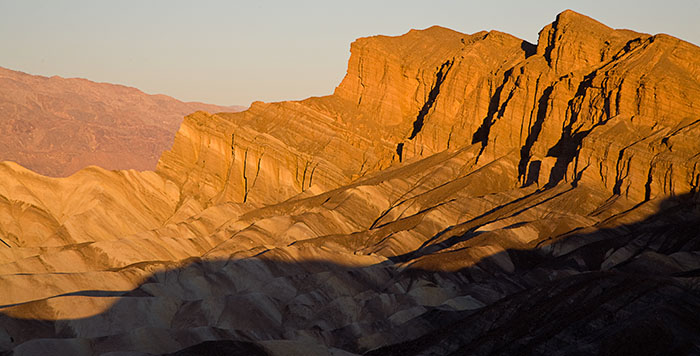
(588, 102)
(57, 126)
(457, 194)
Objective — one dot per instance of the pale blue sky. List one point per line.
(235, 52)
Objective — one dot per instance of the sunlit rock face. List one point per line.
(457, 194)
(57, 126)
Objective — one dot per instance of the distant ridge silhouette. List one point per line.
(456, 194)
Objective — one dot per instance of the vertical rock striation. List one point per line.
(613, 107)
(457, 194)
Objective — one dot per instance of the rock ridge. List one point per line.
(587, 102)
(457, 194)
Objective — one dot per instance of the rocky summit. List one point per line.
(456, 195)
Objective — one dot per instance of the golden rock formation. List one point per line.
(457, 194)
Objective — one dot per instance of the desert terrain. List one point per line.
(457, 194)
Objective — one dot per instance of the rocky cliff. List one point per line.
(587, 102)
(457, 194)
(57, 126)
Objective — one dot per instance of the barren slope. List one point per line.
(457, 194)
(56, 126)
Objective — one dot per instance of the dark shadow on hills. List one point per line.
(529, 48)
(222, 348)
(533, 135)
(631, 289)
(481, 135)
(615, 291)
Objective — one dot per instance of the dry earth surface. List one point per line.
(456, 195)
(56, 126)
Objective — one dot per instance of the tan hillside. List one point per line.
(456, 195)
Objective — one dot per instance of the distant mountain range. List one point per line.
(56, 126)
(458, 194)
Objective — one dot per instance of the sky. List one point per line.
(236, 52)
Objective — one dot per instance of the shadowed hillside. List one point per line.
(457, 194)
(628, 289)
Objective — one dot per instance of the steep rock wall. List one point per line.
(614, 107)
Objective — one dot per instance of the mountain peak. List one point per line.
(572, 17)
(575, 41)
(458, 194)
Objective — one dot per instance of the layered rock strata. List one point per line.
(457, 194)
